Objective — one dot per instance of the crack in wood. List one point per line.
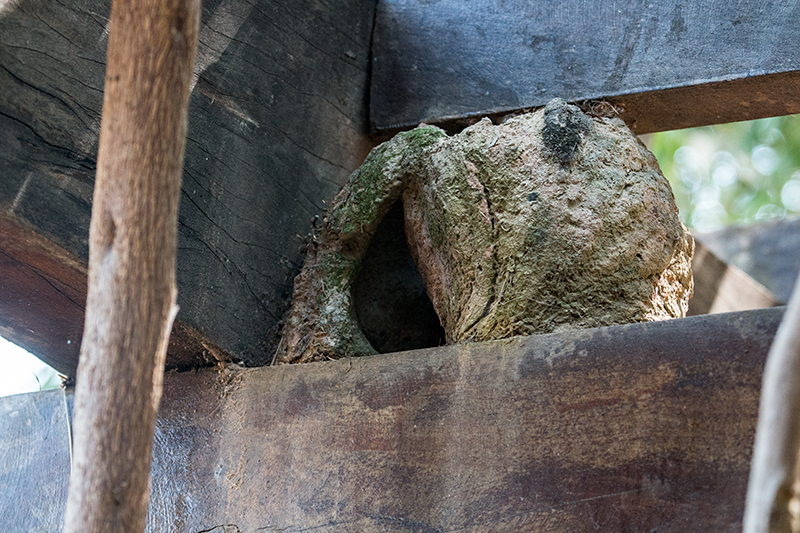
(226, 528)
(53, 96)
(288, 84)
(36, 134)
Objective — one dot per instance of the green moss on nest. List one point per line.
(374, 187)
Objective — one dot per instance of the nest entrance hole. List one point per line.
(393, 309)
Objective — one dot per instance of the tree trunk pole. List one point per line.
(132, 248)
(772, 473)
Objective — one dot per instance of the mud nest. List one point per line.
(552, 220)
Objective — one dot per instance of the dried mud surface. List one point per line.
(552, 220)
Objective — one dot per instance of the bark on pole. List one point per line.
(132, 248)
(775, 454)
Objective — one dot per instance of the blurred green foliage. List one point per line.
(732, 173)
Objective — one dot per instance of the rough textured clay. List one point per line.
(552, 220)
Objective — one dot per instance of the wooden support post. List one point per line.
(131, 296)
(778, 435)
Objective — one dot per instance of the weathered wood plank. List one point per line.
(42, 295)
(666, 65)
(768, 251)
(630, 428)
(43, 301)
(34, 461)
(277, 122)
(565, 432)
(723, 288)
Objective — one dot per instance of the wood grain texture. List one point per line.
(43, 301)
(666, 65)
(34, 461)
(628, 428)
(277, 122)
(567, 432)
(42, 295)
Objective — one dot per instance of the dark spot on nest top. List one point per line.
(564, 126)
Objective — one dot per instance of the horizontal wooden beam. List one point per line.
(748, 97)
(629, 428)
(664, 65)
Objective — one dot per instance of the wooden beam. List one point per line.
(723, 288)
(278, 120)
(768, 251)
(34, 460)
(42, 295)
(629, 428)
(665, 65)
(43, 301)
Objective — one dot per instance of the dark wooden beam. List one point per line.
(43, 301)
(277, 121)
(664, 65)
(629, 428)
(42, 295)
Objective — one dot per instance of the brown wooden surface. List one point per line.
(723, 288)
(42, 295)
(703, 103)
(626, 429)
(768, 251)
(43, 300)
